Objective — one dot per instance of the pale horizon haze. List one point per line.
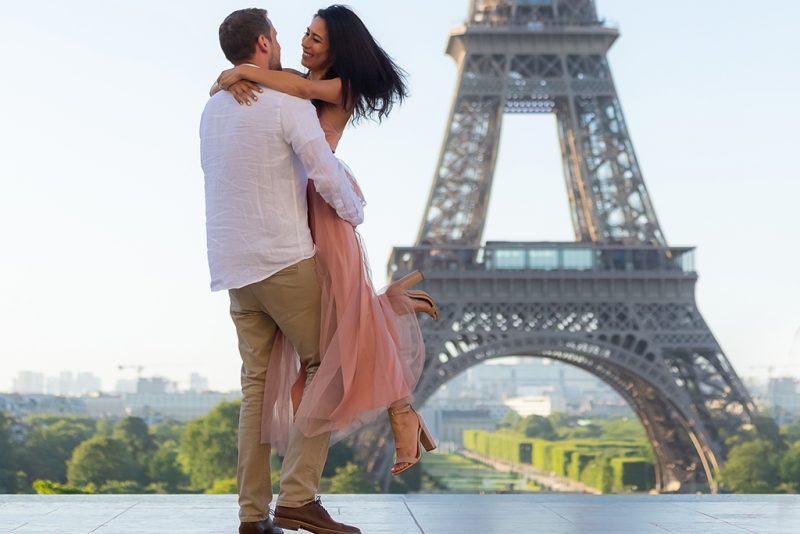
(102, 229)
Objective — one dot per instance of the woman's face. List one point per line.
(316, 46)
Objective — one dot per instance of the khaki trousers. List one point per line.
(288, 301)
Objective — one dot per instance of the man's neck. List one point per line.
(253, 62)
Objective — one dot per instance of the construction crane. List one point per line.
(138, 368)
(771, 368)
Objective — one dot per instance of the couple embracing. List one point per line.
(322, 352)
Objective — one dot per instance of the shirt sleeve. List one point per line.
(302, 131)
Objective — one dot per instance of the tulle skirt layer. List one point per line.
(371, 346)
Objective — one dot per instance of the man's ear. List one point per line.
(263, 43)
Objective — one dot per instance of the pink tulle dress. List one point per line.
(371, 346)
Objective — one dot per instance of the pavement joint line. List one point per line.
(405, 503)
(18, 527)
(691, 507)
(559, 515)
(726, 522)
(665, 529)
(113, 518)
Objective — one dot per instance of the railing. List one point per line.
(538, 13)
(506, 256)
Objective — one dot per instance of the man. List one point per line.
(257, 160)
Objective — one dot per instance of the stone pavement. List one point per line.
(415, 514)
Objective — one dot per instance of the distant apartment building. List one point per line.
(180, 406)
(783, 398)
(52, 386)
(155, 386)
(64, 384)
(542, 405)
(532, 385)
(150, 398)
(103, 406)
(607, 408)
(20, 405)
(198, 383)
(29, 383)
(125, 385)
(86, 383)
(158, 398)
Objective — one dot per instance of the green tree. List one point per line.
(791, 432)
(590, 430)
(537, 426)
(167, 430)
(627, 428)
(208, 447)
(275, 464)
(105, 427)
(8, 476)
(752, 467)
(560, 420)
(49, 443)
(99, 460)
(48, 487)
(350, 479)
(572, 427)
(764, 427)
(768, 429)
(23, 483)
(133, 431)
(120, 487)
(790, 469)
(222, 486)
(510, 420)
(163, 468)
(338, 456)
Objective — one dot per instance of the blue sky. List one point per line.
(101, 211)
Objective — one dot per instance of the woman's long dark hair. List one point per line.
(371, 81)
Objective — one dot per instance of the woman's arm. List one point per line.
(244, 91)
(286, 82)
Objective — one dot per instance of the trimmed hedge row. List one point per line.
(607, 465)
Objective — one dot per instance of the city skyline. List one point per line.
(194, 382)
(80, 383)
(107, 266)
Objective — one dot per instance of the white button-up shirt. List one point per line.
(257, 161)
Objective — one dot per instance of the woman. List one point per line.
(371, 346)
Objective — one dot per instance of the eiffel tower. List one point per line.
(617, 302)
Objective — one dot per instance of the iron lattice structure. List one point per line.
(538, 57)
(618, 302)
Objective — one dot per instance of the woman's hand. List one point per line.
(229, 77)
(244, 91)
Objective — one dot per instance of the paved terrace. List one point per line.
(414, 514)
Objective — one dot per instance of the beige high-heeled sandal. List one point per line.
(421, 301)
(408, 438)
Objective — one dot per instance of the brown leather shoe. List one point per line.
(312, 517)
(259, 527)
